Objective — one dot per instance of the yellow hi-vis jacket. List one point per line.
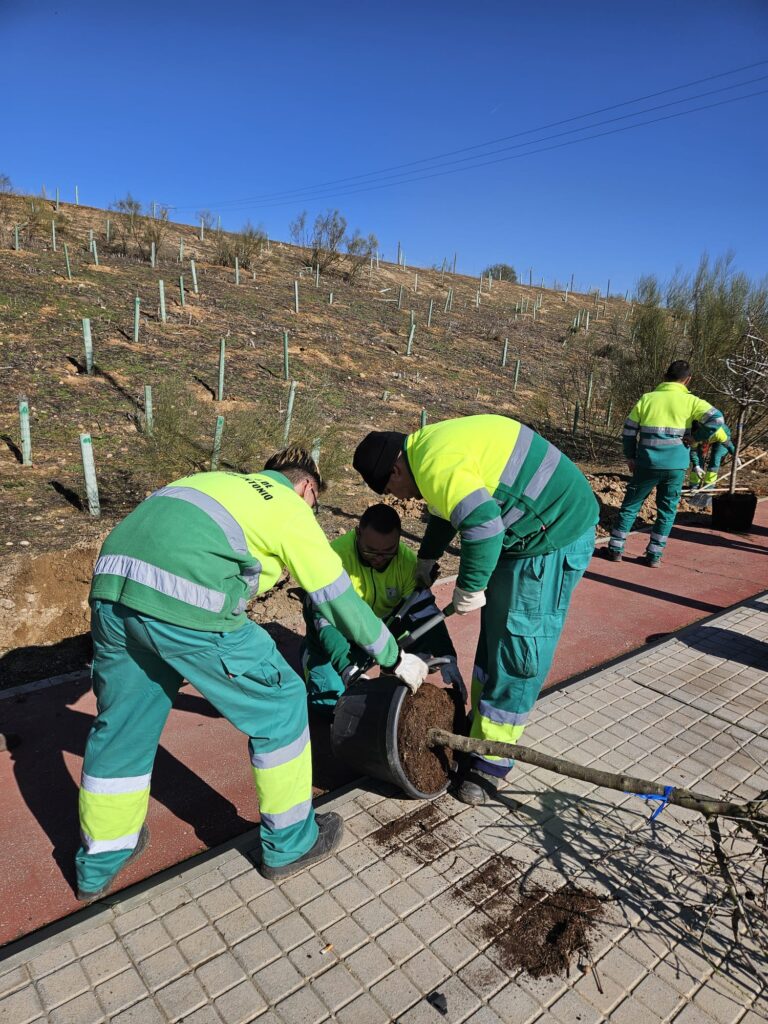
(194, 552)
(653, 431)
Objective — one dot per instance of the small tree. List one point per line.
(501, 272)
(745, 385)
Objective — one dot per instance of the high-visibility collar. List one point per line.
(671, 385)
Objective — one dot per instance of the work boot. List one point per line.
(612, 555)
(652, 561)
(86, 896)
(477, 787)
(331, 830)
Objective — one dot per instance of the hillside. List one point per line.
(348, 358)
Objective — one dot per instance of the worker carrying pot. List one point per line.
(657, 457)
(526, 516)
(168, 602)
(705, 464)
(383, 572)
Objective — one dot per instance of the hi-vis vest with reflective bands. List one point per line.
(194, 552)
(653, 431)
(502, 486)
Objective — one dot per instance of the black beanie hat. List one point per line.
(376, 455)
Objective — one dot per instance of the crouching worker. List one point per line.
(168, 603)
(705, 468)
(383, 572)
(526, 516)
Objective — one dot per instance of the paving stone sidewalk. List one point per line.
(412, 902)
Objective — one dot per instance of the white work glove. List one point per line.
(739, 463)
(411, 670)
(699, 472)
(452, 677)
(424, 567)
(464, 601)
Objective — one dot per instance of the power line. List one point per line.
(517, 156)
(394, 179)
(298, 192)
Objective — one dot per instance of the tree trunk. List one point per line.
(737, 446)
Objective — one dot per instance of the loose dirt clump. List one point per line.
(541, 931)
(429, 708)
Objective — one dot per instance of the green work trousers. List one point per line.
(526, 603)
(668, 484)
(138, 665)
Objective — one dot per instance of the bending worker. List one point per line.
(168, 603)
(720, 445)
(526, 516)
(383, 572)
(657, 458)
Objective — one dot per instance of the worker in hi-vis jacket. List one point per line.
(704, 471)
(168, 603)
(526, 516)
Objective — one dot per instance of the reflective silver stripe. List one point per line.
(655, 549)
(230, 527)
(621, 534)
(379, 643)
(469, 504)
(517, 458)
(631, 423)
(252, 574)
(660, 442)
(628, 432)
(128, 784)
(483, 530)
(713, 415)
(659, 536)
(282, 755)
(663, 431)
(107, 845)
(512, 515)
(164, 582)
(332, 590)
(321, 623)
(285, 818)
(241, 605)
(501, 717)
(544, 473)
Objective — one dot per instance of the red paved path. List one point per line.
(617, 608)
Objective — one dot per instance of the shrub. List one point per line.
(507, 272)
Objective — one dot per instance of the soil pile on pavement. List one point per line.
(541, 931)
(429, 708)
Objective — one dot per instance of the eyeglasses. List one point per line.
(377, 552)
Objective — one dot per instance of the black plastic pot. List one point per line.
(364, 732)
(733, 513)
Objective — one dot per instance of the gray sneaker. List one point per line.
(331, 830)
(477, 787)
(87, 896)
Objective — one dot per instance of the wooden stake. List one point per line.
(89, 472)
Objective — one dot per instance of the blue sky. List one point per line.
(219, 106)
